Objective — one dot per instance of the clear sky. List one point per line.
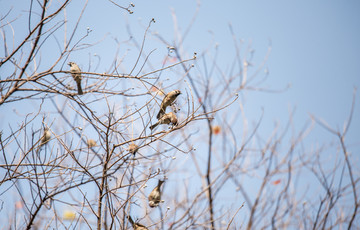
(315, 48)
(314, 43)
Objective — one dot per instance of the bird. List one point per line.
(76, 74)
(167, 101)
(155, 196)
(133, 148)
(136, 226)
(45, 137)
(166, 119)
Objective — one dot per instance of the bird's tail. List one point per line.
(154, 125)
(80, 92)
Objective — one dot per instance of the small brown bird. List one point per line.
(136, 226)
(167, 101)
(45, 137)
(76, 74)
(133, 148)
(155, 196)
(166, 119)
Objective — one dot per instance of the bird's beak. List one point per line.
(69, 64)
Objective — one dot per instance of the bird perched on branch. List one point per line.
(166, 119)
(45, 137)
(133, 148)
(136, 226)
(76, 74)
(167, 101)
(155, 195)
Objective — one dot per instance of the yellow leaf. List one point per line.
(69, 215)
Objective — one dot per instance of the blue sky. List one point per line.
(315, 48)
(314, 43)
